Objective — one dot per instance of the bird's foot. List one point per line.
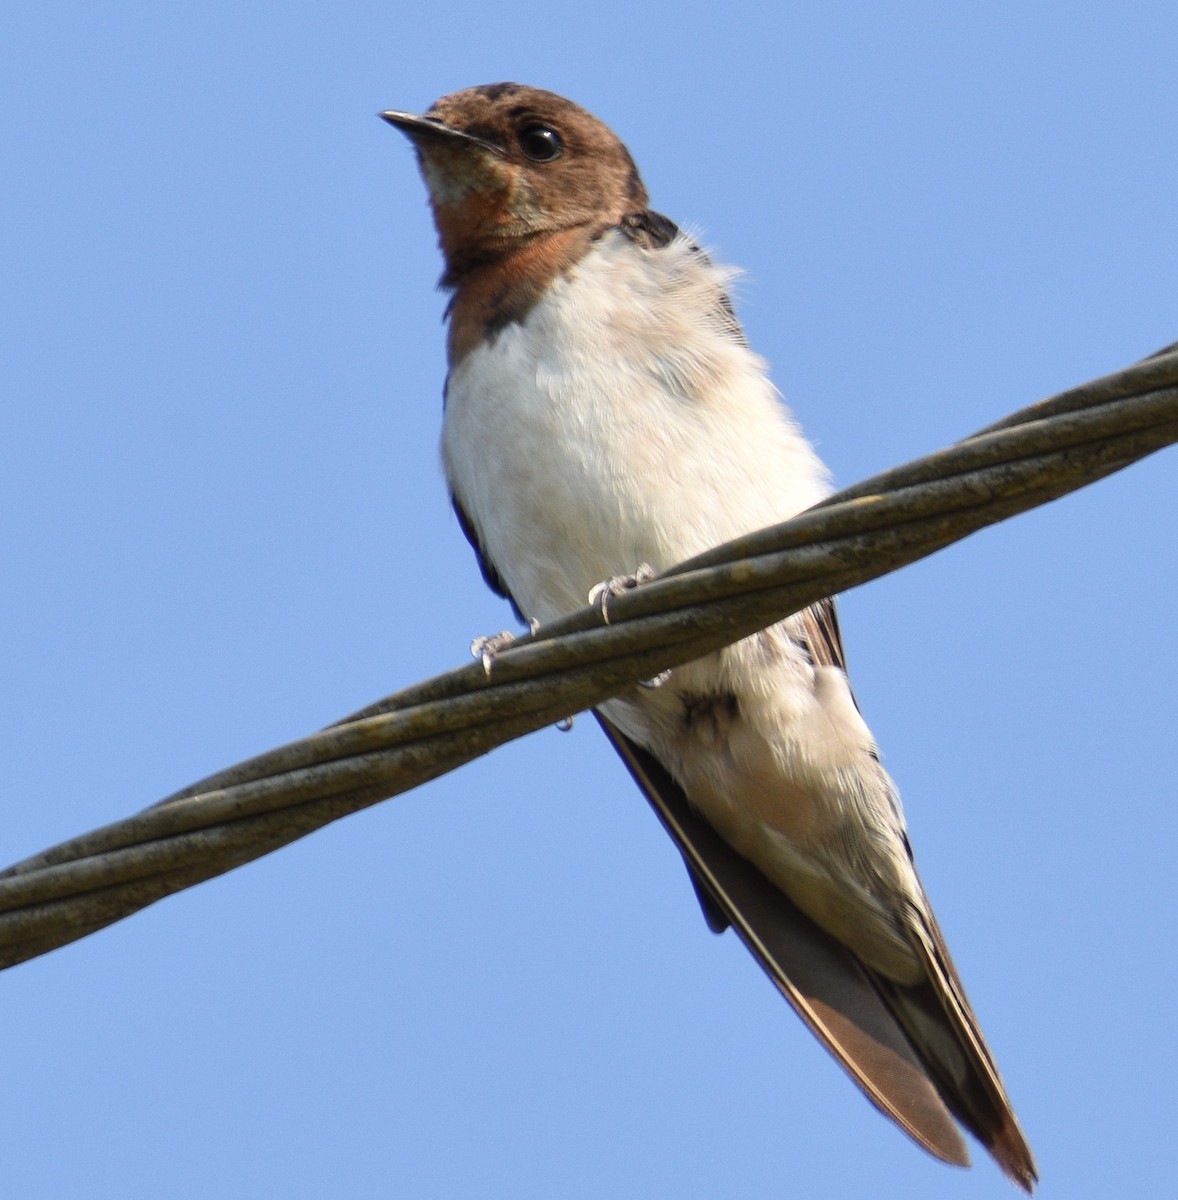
(488, 649)
(600, 594)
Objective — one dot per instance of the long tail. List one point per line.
(915, 1052)
(938, 1020)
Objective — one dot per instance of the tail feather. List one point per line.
(940, 1022)
(915, 1052)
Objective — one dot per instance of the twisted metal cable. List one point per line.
(865, 531)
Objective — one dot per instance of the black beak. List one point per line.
(423, 129)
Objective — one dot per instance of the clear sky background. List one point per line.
(223, 525)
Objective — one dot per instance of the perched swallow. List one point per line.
(603, 411)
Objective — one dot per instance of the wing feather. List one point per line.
(819, 977)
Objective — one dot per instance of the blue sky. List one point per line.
(223, 525)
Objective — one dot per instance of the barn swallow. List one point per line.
(603, 412)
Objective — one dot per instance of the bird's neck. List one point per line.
(494, 291)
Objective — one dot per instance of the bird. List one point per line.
(604, 419)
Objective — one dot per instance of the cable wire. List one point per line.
(576, 662)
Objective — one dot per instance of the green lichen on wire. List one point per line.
(865, 531)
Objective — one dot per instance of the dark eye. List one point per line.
(540, 143)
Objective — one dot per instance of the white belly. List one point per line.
(620, 423)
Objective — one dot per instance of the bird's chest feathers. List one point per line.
(605, 428)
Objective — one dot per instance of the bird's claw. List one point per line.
(488, 649)
(599, 595)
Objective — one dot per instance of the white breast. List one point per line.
(621, 422)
